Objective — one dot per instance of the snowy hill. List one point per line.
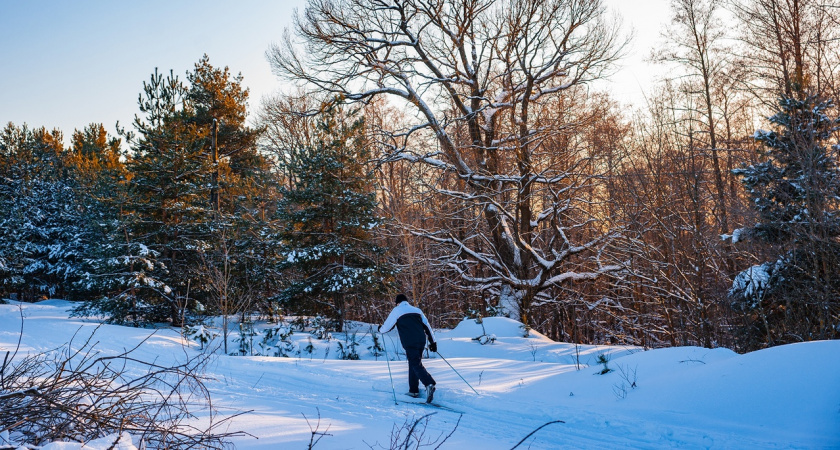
(686, 397)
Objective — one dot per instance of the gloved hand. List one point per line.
(433, 347)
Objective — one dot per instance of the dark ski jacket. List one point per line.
(411, 324)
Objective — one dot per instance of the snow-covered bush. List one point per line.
(124, 309)
(199, 333)
(750, 286)
(308, 349)
(484, 338)
(321, 327)
(603, 359)
(376, 349)
(276, 341)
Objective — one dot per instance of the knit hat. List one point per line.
(400, 298)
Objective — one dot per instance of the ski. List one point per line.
(420, 401)
(432, 405)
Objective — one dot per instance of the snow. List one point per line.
(754, 281)
(761, 134)
(682, 397)
(737, 235)
(116, 442)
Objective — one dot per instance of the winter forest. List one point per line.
(461, 152)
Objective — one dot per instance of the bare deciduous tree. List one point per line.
(788, 45)
(229, 295)
(479, 76)
(694, 42)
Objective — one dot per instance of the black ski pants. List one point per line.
(416, 371)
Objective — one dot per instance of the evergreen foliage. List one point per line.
(329, 218)
(169, 189)
(43, 238)
(186, 204)
(112, 264)
(796, 192)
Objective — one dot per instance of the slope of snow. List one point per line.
(685, 397)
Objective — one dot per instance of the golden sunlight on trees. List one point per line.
(458, 151)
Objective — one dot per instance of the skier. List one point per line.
(413, 328)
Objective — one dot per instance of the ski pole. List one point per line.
(388, 361)
(456, 372)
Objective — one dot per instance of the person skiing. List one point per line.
(413, 328)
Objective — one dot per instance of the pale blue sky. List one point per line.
(66, 64)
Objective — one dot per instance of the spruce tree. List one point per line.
(329, 218)
(116, 265)
(43, 240)
(795, 190)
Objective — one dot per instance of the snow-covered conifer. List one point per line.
(43, 235)
(328, 216)
(795, 189)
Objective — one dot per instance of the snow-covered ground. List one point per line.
(686, 397)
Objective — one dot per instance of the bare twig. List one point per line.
(76, 393)
(315, 431)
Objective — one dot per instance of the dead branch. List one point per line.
(78, 393)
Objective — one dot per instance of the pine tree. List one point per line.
(169, 189)
(241, 187)
(190, 201)
(796, 192)
(328, 217)
(216, 95)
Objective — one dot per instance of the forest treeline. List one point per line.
(456, 151)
